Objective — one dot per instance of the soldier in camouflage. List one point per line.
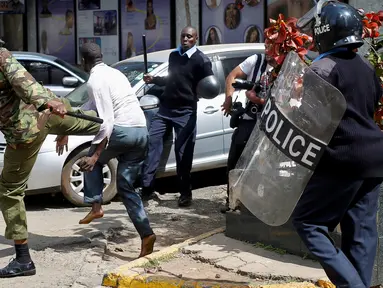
(25, 122)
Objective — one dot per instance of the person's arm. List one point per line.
(23, 83)
(207, 68)
(158, 80)
(241, 71)
(230, 79)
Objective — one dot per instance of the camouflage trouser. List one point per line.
(18, 164)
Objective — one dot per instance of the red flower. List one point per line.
(283, 36)
(371, 23)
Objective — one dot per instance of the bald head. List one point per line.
(189, 37)
(191, 29)
(91, 55)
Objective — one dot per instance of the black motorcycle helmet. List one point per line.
(333, 24)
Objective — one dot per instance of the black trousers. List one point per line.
(238, 142)
(327, 201)
(183, 121)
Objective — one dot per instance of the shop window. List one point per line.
(14, 35)
(289, 8)
(230, 63)
(45, 73)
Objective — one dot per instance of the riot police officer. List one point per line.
(346, 183)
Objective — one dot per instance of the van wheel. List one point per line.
(72, 180)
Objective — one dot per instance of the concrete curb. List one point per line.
(123, 276)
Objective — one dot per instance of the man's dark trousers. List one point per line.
(238, 143)
(183, 121)
(330, 200)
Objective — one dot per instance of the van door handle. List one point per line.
(210, 110)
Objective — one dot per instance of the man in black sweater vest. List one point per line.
(178, 111)
(346, 183)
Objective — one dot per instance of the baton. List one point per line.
(85, 117)
(145, 53)
(82, 116)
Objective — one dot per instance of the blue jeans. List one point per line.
(352, 203)
(129, 145)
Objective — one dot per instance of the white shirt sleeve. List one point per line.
(101, 97)
(247, 66)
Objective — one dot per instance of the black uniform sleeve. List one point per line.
(162, 81)
(306, 117)
(206, 67)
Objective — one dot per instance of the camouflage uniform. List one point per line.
(25, 124)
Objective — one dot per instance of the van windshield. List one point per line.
(134, 71)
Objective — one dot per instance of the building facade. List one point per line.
(60, 27)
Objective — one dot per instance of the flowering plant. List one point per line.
(282, 37)
(372, 22)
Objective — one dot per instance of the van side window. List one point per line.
(229, 64)
(44, 73)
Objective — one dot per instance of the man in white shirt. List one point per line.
(123, 135)
(254, 69)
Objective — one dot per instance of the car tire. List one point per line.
(72, 181)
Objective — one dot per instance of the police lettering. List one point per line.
(322, 29)
(294, 143)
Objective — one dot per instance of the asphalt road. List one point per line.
(71, 255)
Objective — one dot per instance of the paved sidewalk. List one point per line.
(217, 261)
(254, 260)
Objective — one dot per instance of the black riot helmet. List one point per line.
(333, 24)
(208, 87)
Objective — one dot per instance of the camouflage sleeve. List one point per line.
(24, 85)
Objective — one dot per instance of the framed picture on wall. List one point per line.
(12, 6)
(98, 22)
(56, 35)
(149, 17)
(223, 22)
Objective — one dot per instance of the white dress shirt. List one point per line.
(112, 95)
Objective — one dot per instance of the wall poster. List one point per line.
(55, 29)
(149, 17)
(223, 22)
(97, 21)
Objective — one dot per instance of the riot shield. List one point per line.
(298, 121)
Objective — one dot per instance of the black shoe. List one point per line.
(185, 201)
(225, 208)
(15, 269)
(146, 193)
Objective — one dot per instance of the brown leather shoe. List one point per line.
(91, 216)
(147, 245)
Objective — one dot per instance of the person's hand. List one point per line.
(148, 78)
(252, 96)
(61, 143)
(87, 164)
(226, 106)
(56, 107)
